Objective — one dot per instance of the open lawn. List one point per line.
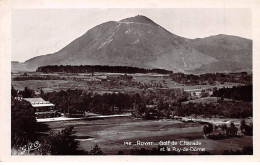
(111, 133)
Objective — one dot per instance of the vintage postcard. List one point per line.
(128, 81)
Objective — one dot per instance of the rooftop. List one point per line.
(39, 102)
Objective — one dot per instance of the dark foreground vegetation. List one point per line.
(98, 68)
(27, 139)
(223, 131)
(245, 151)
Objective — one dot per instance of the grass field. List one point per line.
(205, 100)
(110, 134)
(94, 83)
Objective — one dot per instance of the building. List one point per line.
(194, 92)
(43, 109)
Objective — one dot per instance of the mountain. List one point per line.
(140, 42)
(16, 66)
(233, 53)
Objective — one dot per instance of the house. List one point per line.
(43, 109)
(194, 92)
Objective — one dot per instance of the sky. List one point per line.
(46, 31)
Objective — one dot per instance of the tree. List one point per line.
(27, 93)
(60, 142)
(41, 93)
(246, 129)
(207, 129)
(140, 108)
(232, 130)
(13, 92)
(96, 151)
(204, 93)
(23, 123)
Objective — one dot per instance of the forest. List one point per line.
(228, 109)
(159, 103)
(244, 93)
(98, 68)
(212, 78)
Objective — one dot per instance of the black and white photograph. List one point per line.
(131, 81)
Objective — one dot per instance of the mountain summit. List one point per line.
(138, 19)
(140, 42)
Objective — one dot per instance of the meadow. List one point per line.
(111, 133)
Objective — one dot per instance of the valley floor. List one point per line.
(111, 133)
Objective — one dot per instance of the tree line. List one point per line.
(162, 103)
(212, 78)
(244, 93)
(98, 68)
(78, 101)
(228, 109)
